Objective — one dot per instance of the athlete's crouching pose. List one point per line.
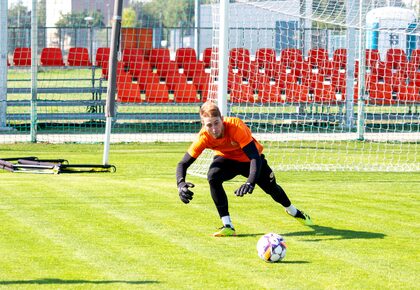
(236, 153)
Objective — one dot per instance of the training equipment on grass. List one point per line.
(271, 248)
(50, 166)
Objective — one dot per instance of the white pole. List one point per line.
(107, 140)
(197, 25)
(34, 71)
(351, 19)
(223, 56)
(112, 83)
(3, 63)
(361, 80)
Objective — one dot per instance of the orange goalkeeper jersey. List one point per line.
(236, 136)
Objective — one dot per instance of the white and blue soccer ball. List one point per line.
(271, 248)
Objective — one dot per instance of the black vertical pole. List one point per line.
(115, 38)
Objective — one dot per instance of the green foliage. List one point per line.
(18, 15)
(42, 13)
(129, 17)
(130, 230)
(172, 13)
(77, 19)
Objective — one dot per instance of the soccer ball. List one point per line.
(271, 248)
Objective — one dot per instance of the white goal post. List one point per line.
(316, 79)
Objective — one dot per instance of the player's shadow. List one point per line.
(320, 233)
(56, 281)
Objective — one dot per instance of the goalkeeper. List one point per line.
(236, 153)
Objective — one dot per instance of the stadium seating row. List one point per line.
(293, 78)
(52, 56)
(239, 58)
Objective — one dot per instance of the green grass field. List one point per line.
(130, 230)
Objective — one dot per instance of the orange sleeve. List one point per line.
(242, 134)
(198, 146)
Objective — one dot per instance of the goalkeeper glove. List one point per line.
(244, 189)
(184, 193)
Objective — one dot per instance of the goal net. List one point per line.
(325, 84)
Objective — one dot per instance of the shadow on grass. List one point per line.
(50, 281)
(327, 233)
(249, 235)
(294, 262)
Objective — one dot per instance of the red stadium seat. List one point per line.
(265, 59)
(396, 59)
(139, 64)
(339, 60)
(240, 60)
(258, 79)
(296, 93)
(159, 55)
(132, 54)
(408, 94)
(288, 56)
(105, 70)
(324, 93)
(241, 93)
(209, 56)
(22, 56)
(317, 56)
(185, 55)
(415, 57)
(51, 56)
(78, 56)
(165, 69)
(292, 59)
(338, 80)
(380, 93)
(157, 93)
(372, 58)
(283, 75)
(174, 79)
(269, 93)
(102, 56)
(201, 81)
(185, 93)
(192, 69)
(127, 91)
(233, 79)
(145, 77)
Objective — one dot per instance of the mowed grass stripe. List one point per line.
(138, 233)
(83, 235)
(165, 236)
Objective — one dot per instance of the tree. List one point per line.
(172, 12)
(42, 13)
(77, 19)
(19, 15)
(129, 17)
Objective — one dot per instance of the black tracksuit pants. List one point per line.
(222, 169)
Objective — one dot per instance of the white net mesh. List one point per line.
(326, 85)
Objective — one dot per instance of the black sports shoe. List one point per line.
(303, 218)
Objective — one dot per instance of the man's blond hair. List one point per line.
(209, 109)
